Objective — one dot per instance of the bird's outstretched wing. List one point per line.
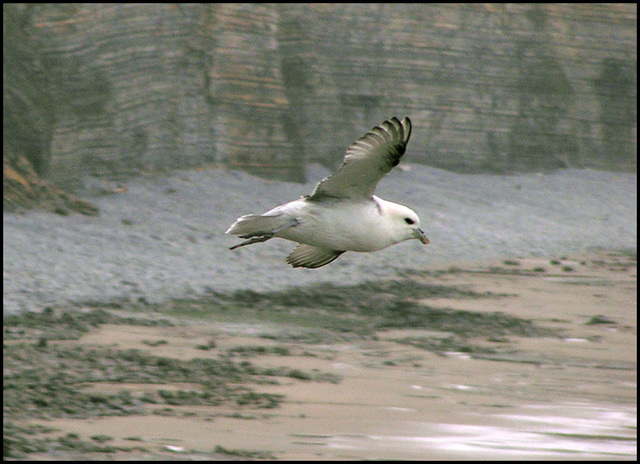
(366, 161)
(311, 256)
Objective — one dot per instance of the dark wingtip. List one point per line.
(406, 124)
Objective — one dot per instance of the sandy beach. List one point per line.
(565, 388)
(137, 334)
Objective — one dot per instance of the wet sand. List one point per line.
(567, 397)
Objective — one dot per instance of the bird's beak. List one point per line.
(417, 233)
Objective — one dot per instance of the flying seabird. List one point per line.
(342, 213)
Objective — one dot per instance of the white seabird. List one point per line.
(342, 213)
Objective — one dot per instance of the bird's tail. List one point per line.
(251, 225)
(259, 228)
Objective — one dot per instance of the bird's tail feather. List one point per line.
(251, 225)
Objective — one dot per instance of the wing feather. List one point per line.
(366, 161)
(311, 256)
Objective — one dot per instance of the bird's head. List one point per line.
(405, 223)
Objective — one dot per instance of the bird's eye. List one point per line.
(409, 221)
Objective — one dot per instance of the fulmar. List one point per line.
(342, 213)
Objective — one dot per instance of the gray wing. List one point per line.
(311, 256)
(367, 161)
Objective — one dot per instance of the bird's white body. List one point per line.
(362, 226)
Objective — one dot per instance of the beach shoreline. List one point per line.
(159, 238)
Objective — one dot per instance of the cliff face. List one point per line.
(116, 90)
(489, 87)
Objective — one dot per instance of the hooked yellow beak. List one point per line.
(417, 233)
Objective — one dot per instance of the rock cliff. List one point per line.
(115, 90)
